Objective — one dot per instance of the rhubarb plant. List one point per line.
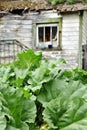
(38, 94)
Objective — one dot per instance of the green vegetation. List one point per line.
(54, 2)
(37, 94)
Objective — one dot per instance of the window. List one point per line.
(47, 36)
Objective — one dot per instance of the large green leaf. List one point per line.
(19, 76)
(24, 126)
(29, 111)
(20, 73)
(63, 115)
(4, 73)
(11, 128)
(65, 104)
(51, 90)
(4, 113)
(47, 71)
(61, 87)
(39, 76)
(21, 109)
(2, 121)
(28, 59)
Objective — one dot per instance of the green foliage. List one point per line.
(47, 71)
(50, 91)
(85, 0)
(62, 100)
(61, 107)
(63, 115)
(76, 74)
(38, 94)
(55, 2)
(71, 1)
(20, 82)
(28, 59)
(19, 110)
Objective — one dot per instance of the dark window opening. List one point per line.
(41, 34)
(47, 34)
(84, 57)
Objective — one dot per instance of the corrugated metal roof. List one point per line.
(41, 5)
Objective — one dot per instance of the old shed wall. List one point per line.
(21, 28)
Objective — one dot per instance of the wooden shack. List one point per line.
(58, 31)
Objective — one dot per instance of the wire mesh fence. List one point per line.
(9, 50)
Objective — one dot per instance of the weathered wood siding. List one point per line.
(70, 41)
(21, 28)
(16, 27)
(84, 41)
(84, 28)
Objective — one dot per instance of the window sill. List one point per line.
(49, 49)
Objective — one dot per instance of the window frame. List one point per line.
(46, 25)
(57, 21)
